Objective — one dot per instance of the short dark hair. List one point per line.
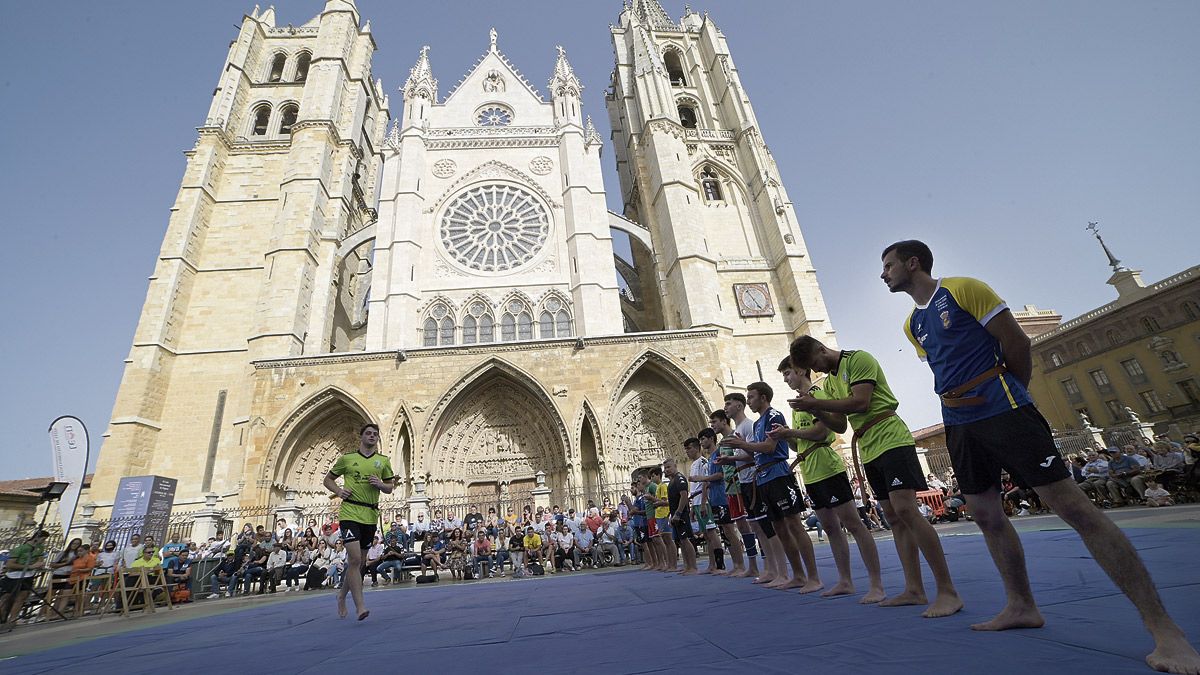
(802, 349)
(707, 432)
(691, 441)
(655, 470)
(719, 414)
(762, 388)
(368, 425)
(785, 364)
(736, 396)
(911, 248)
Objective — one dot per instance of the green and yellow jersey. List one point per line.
(355, 470)
(855, 367)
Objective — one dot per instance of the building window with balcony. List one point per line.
(1152, 402)
(1134, 370)
(1116, 410)
(1071, 388)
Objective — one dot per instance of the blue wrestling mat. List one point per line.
(644, 622)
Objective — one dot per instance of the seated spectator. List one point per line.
(531, 544)
(372, 559)
(225, 573)
(61, 568)
(500, 547)
(287, 540)
(606, 540)
(297, 566)
(319, 569)
(564, 547)
(337, 564)
(481, 555)
(172, 548)
(811, 521)
(1168, 463)
(1095, 473)
(310, 539)
(1125, 476)
(178, 572)
(516, 550)
(254, 569)
(626, 543)
(395, 555)
(277, 562)
(1156, 495)
(935, 484)
(431, 557)
(594, 520)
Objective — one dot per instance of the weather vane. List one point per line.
(1093, 227)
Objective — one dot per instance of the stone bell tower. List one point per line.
(696, 172)
(283, 170)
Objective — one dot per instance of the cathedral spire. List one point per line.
(563, 81)
(652, 13)
(421, 83)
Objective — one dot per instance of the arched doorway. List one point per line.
(310, 441)
(657, 408)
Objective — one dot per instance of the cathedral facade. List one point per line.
(446, 268)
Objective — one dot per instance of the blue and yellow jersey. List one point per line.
(950, 335)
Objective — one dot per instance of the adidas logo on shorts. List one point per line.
(896, 482)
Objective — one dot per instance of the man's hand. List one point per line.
(804, 403)
(341, 493)
(376, 482)
(734, 442)
(778, 432)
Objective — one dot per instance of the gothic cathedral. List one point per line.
(449, 270)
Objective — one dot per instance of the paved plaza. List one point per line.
(627, 621)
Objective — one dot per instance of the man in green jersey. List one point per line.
(25, 562)
(365, 473)
(859, 396)
(829, 488)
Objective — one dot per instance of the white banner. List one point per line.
(69, 443)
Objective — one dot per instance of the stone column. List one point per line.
(86, 527)
(209, 520)
(541, 493)
(921, 452)
(418, 503)
(290, 512)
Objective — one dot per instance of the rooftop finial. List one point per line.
(1093, 227)
(492, 37)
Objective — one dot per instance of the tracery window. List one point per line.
(711, 185)
(493, 228)
(494, 116)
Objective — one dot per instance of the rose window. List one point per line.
(493, 228)
(494, 116)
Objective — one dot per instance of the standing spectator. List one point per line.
(25, 561)
(108, 559)
(594, 520)
(132, 552)
(337, 564)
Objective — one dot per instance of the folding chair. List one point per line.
(152, 582)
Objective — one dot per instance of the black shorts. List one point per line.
(781, 497)
(896, 469)
(753, 500)
(363, 533)
(10, 585)
(682, 529)
(1018, 441)
(640, 535)
(720, 515)
(832, 492)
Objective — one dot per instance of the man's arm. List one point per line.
(330, 484)
(1014, 343)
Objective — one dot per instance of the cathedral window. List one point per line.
(517, 322)
(446, 335)
(430, 333)
(1191, 310)
(524, 326)
(262, 117)
(302, 63)
(288, 118)
(277, 64)
(493, 228)
(554, 320)
(711, 185)
(494, 116)
(674, 68)
(470, 330)
(687, 116)
(508, 328)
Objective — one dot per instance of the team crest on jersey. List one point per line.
(378, 464)
(945, 319)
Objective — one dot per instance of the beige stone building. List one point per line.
(1131, 362)
(451, 275)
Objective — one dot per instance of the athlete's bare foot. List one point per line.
(1009, 617)
(688, 572)
(812, 586)
(840, 588)
(763, 579)
(944, 604)
(873, 596)
(781, 582)
(904, 599)
(342, 606)
(364, 614)
(736, 572)
(797, 583)
(1173, 654)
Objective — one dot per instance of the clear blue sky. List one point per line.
(994, 131)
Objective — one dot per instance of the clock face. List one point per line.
(753, 300)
